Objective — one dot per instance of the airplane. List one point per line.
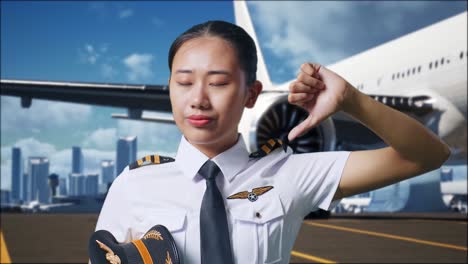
(422, 74)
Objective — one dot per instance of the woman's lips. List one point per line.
(199, 120)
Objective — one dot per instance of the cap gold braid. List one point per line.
(144, 253)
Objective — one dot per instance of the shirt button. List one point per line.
(258, 215)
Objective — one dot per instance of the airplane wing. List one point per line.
(135, 98)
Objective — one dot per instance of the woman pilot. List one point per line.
(224, 205)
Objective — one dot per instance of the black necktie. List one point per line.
(214, 233)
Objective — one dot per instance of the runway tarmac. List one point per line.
(371, 238)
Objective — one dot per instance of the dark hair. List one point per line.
(241, 41)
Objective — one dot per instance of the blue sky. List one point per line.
(127, 42)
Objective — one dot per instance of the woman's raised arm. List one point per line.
(413, 149)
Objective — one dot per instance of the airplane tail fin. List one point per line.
(243, 20)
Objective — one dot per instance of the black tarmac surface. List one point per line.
(371, 238)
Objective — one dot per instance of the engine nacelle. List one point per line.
(274, 117)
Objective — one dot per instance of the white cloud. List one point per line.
(108, 71)
(327, 31)
(103, 138)
(89, 48)
(89, 54)
(139, 66)
(125, 13)
(41, 115)
(296, 31)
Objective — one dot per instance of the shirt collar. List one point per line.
(189, 159)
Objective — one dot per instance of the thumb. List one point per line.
(303, 127)
(317, 69)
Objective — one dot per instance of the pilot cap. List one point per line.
(155, 247)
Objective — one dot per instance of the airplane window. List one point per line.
(393, 76)
(403, 75)
(414, 70)
(435, 64)
(442, 61)
(419, 68)
(398, 75)
(461, 55)
(408, 72)
(430, 65)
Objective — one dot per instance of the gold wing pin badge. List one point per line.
(253, 195)
(110, 256)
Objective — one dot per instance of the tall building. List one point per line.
(5, 196)
(62, 187)
(77, 184)
(26, 186)
(77, 160)
(16, 175)
(39, 179)
(107, 171)
(126, 153)
(91, 184)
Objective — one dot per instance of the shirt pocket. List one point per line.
(173, 220)
(258, 230)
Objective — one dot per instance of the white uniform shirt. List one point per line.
(262, 231)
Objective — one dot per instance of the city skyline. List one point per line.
(33, 183)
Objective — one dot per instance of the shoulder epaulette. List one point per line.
(265, 149)
(150, 160)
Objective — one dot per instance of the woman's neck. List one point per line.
(211, 150)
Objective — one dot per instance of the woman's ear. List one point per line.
(254, 90)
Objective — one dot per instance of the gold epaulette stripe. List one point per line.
(150, 160)
(144, 253)
(272, 142)
(266, 149)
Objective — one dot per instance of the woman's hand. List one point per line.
(319, 91)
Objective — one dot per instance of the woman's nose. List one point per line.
(199, 97)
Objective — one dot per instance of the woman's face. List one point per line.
(208, 91)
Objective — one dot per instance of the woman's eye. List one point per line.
(218, 84)
(184, 83)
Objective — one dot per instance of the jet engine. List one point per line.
(274, 117)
